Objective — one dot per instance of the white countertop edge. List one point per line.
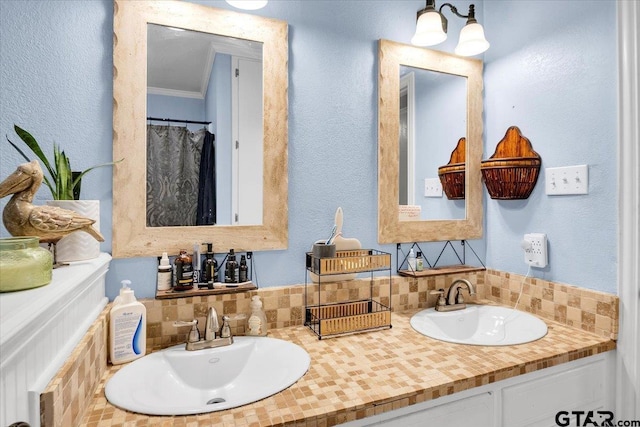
(22, 311)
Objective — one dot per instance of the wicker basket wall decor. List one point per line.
(512, 171)
(452, 174)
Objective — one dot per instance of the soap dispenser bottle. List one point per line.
(257, 322)
(127, 327)
(210, 266)
(231, 269)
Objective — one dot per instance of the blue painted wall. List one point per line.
(553, 73)
(176, 107)
(218, 104)
(558, 85)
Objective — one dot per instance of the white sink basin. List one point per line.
(480, 325)
(179, 382)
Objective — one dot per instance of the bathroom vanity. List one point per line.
(399, 373)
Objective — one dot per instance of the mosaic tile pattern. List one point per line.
(69, 394)
(66, 397)
(365, 374)
(284, 306)
(585, 309)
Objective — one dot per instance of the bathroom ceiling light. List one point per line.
(248, 4)
(431, 29)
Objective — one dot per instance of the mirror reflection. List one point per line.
(131, 235)
(432, 118)
(204, 129)
(459, 117)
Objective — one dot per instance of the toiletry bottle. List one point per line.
(419, 262)
(210, 266)
(257, 321)
(127, 327)
(243, 270)
(184, 272)
(198, 273)
(411, 260)
(164, 273)
(231, 269)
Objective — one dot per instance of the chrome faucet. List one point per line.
(214, 335)
(453, 299)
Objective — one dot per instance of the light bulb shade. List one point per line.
(429, 30)
(472, 41)
(248, 4)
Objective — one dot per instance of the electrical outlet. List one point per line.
(535, 249)
(432, 187)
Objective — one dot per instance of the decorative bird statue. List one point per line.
(49, 223)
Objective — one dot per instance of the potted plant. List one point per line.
(64, 185)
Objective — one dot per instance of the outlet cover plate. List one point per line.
(535, 249)
(432, 187)
(567, 180)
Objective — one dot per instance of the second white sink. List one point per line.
(179, 382)
(480, 325)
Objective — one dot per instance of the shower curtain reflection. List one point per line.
(173, 175)
(206, 214)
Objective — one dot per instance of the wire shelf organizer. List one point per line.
(344, 317)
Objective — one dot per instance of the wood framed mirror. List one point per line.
(393, 56)
(131, 235)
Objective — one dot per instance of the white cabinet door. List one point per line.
(536, 402)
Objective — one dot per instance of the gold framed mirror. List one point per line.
(391, 56)
(131, 236)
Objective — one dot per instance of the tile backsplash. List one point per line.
(588, 310)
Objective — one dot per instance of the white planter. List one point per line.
(78, 246)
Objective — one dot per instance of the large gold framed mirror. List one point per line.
(132, 236)
(394, 57)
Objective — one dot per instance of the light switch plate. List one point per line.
(432, 187)
(567, 180)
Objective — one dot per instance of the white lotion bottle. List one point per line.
(164, 273)
(257, 322)
(127, 327)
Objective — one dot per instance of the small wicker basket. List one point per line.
(512, 171)
(452, 175)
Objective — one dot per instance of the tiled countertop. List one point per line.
(356, 376)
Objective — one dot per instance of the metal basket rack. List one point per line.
(333, 319)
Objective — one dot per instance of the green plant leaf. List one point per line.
(65, 189)
(34, 146)
(81, 174)
(62, 182)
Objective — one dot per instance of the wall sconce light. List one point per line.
(431, 29)
(248, 4)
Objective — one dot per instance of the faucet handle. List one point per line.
(225, 331)
(194, 333)
(441, 301)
